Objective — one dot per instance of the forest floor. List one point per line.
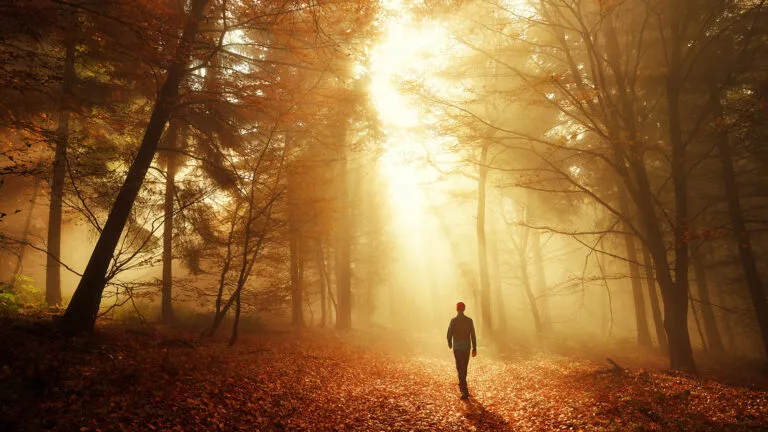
(148, 378)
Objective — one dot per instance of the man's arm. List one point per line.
(474, 338)
(450, 334)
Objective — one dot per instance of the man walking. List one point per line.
(461, 332)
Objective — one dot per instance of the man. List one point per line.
(461, 331)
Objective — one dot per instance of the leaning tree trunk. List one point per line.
(482, 247)
(53, 258)
(740, 232)
(81, 314)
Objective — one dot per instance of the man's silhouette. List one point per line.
(461, 333)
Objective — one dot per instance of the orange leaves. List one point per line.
(319, 381)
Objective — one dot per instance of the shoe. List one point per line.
(465, 396)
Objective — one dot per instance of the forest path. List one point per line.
(146, 380)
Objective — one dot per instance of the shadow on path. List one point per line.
(482, 419)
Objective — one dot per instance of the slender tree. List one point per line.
(82, 310)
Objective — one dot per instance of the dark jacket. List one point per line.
(461, 331)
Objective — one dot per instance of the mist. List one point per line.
(579, 185)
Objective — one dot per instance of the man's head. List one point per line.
(460, 307)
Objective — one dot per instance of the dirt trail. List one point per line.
(128, 380)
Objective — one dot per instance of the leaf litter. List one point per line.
(123, 379)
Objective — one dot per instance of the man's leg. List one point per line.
(462, 361)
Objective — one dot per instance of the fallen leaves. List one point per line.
(123, 380)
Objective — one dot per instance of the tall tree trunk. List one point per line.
(236, 321)
(320, 264)
(25, 235)
(53, 257)
(81, 314)
(501, 309)
(482, 248)
(677, 328)
(676, 297)
(716, 347)
(631, 167)
(343, 255)
(172, 136)
(297, 304)
(523, 263)
(541, 280)
(333, 308)
(658, 323)
(294, 239)
(641, 319)
(740, 231)
(343, 247)
(696, 321)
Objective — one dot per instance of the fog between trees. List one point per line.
(577, 172)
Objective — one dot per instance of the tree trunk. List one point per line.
(172, 135)
(541, 280)
(319, 260)
(674, 293)
(53, 257)
(641, 319)
(343, 240)
(716, 347)
(681, 355)
(25, 235)
(81, 314)
(342, 263)
(236, 321)
(696, 321)
(297, 304)
(333, 308)
(653, 298)
(740, 232)
(629, 158)
(523, 262)
(482, 248)
(501, 310)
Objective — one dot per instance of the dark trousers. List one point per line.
(462, 361)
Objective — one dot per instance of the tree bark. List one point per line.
(81, 314)
(53, 257)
